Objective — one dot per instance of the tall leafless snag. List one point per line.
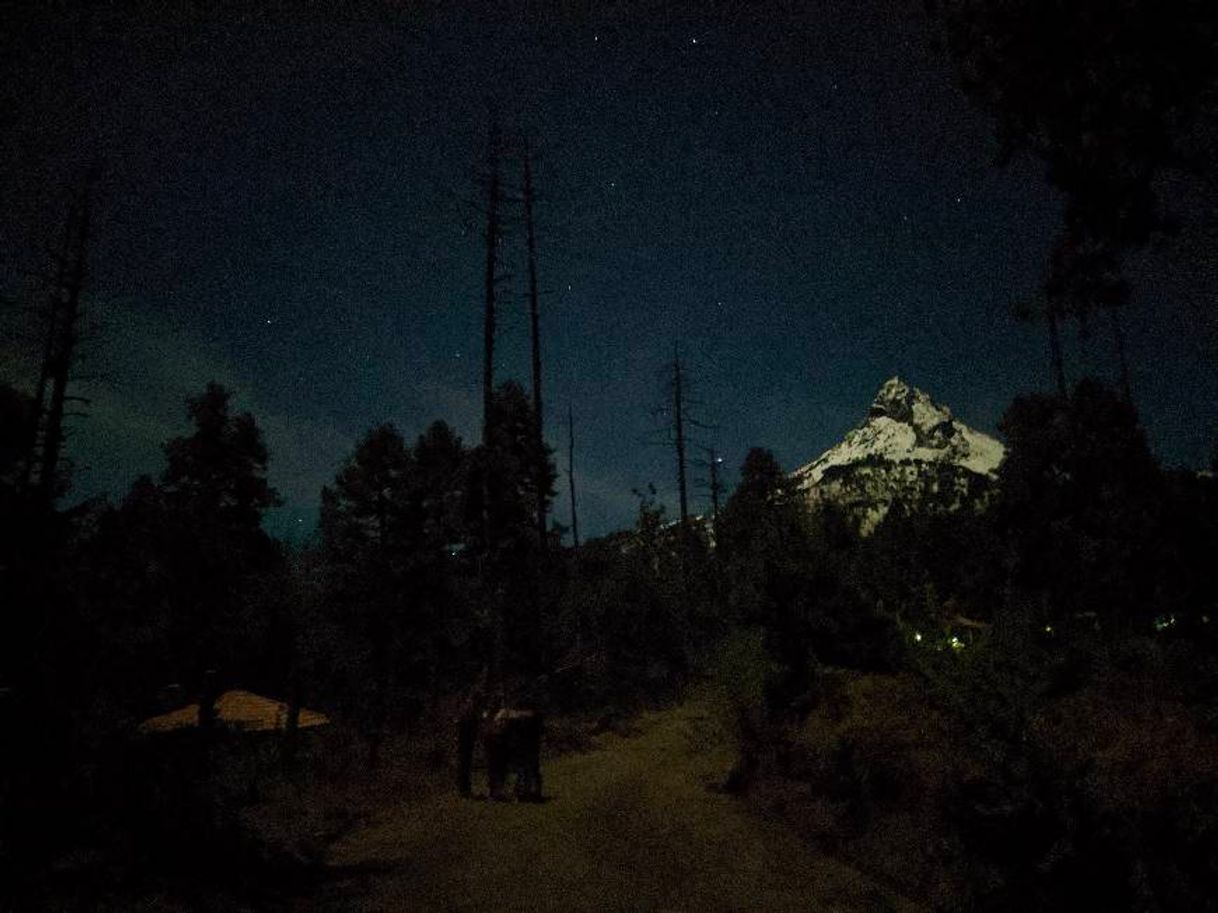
(54, 307)
(1055, 346)
(571, 474)
(494, 196)
(681, 420)
(535, 333)
(678, 411)
(713, 483)
(42, 473)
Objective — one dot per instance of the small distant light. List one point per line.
(1048, 629)
(955, 643)
(693, 41)
(268, 321)
(918, 636)
(1205, 619)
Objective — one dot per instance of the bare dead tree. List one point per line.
(494, 195)
(534, 324)
(54, 307)
(678, 411)
(59, 353)
(713, 483)
(1118, 337)
(571, 474)
(679, 421)
(1055, 348)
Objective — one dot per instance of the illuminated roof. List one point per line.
(243, 711)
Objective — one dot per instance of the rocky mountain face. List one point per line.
(907, 449)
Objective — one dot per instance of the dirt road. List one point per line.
(630, 826)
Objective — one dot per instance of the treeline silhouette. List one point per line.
(426, 573)
(1039, 641)
(1010, 707)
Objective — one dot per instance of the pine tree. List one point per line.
(366, 515)
(1108, 102)
(508, 550)
(211, 499)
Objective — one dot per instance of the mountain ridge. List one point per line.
(907, 448)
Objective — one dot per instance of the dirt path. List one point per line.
(630, 826)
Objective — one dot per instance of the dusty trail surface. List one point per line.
(629, 826)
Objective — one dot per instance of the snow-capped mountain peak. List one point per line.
(907, 447)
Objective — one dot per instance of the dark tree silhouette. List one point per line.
(385, 525)
(1080, 504)
(44, 472)
(1106, 96)
(762, 526)
(713, 483)
(16, 411)
(535, 336)
(678, 392)
(367, 512)
(439, 464)
(219, 471)
(764, 546)
(508, 550)
(492, 238)
(214, 492)
(571, 474)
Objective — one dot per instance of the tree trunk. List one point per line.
(682, 491)
(1055, 349)
(492, 243)
(1118, 335)
(571, 474)
(60, 365)
(536, 340)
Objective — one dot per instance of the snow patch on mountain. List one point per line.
(909, 448)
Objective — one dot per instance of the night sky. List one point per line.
(798, 192)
